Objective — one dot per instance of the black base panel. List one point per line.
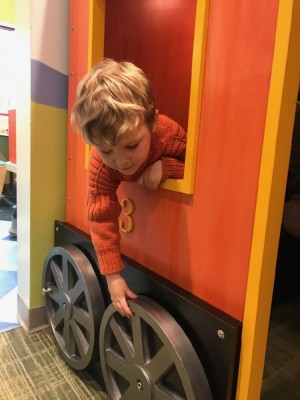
(215, 336)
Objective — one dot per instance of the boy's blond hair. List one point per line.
(112, 98)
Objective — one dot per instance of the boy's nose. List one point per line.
(123, 162)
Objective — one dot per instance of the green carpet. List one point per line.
(31, 368)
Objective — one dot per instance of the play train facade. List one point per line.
(219, 69)
(202, 249)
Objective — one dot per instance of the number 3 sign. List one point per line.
(127, 209)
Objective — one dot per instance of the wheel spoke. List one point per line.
(122, 339)
(137, 339)
(65, 271)
(160, 364)
(161, 394)
(82, 318)
(117, 363)
(68, 338)
(129, 394)
(56, 273)
(80, 339)
(76, 291)
(57, 318)
(53, 295)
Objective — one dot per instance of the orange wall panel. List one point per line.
(202, 242)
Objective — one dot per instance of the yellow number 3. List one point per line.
(128, 209)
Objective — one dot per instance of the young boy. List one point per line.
(115, 112)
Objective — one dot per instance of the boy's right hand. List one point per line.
(151, 176)
(119, 290)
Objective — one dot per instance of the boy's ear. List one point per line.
(155, 121)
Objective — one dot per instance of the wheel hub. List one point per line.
(142, 383)
(67, 306)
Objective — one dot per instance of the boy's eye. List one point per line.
(105, 151)
(132, 146)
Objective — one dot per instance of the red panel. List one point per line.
(158, 36)
(12, 136)
(76, 173)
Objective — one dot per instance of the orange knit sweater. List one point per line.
(168, 143)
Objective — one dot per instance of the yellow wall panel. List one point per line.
(7, 11)
(48, 180)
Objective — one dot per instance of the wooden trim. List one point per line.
(272, 183)
(186, 185)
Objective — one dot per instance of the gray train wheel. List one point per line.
(74, 304)
(149, 356)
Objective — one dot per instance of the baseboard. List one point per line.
(33, 319)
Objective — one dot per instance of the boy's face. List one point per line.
(130, 151)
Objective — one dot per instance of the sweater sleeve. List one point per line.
(172, 168)
(103, 210)
(174, 151)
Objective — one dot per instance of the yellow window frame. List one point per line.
(96, 51)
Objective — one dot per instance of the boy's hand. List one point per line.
(151, 176)
(118, 290)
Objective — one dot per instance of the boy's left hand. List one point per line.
(151, 176)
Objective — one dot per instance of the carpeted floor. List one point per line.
(32, 369)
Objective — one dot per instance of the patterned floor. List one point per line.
(8, 279)
(282, 366)
(32, 369)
